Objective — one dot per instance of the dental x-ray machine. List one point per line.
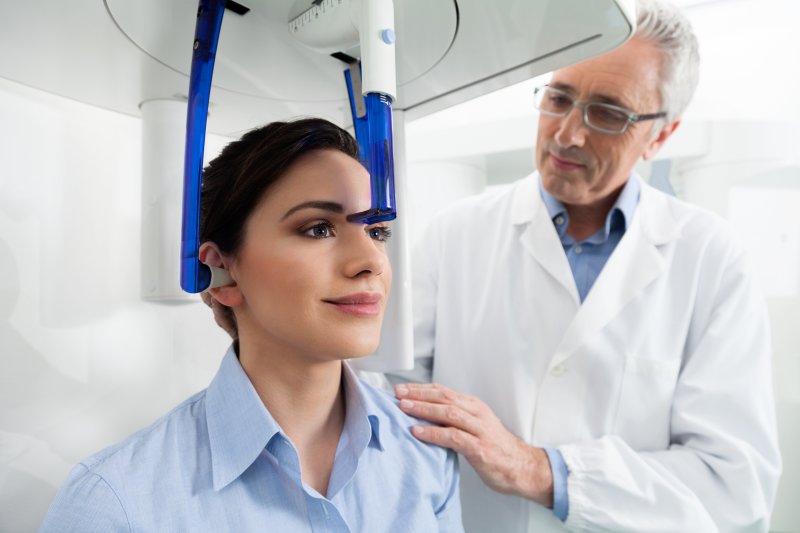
(279, 59)
(345, 30)
(334, 27)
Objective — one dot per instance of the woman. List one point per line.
(285, 438)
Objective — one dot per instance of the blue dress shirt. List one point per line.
(220, 462)
(588, 257)
(586, 260)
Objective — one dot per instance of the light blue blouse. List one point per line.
(220, 462)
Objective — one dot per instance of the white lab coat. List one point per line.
(656, 390)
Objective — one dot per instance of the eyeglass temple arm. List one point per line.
(651, 116)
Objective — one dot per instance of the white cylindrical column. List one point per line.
(163, 141)
(377, 38)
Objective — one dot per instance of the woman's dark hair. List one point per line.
(237, 179)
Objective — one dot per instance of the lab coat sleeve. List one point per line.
(85, 504)
(721, 469)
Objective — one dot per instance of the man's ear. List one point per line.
(658, 141)
(211, 255)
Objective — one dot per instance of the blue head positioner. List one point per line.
(195, 276)
(372, 120)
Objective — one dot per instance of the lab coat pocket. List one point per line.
(645, 402)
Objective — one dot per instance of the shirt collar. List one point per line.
(240, 426)
(553, 206)
(625, 205)
(360, 407)
(628, 199)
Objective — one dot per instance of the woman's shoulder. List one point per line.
(95, 495)
(410, 462)
(395, 427)
(149, 450)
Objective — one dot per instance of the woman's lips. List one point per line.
(363, 304)
(563, 164)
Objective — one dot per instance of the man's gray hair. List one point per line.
(662, 23)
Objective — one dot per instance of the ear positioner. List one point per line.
(329, 28)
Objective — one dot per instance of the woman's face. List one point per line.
(311, 282)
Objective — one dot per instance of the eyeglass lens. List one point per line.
(596, 115)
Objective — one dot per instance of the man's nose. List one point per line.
(571, 129)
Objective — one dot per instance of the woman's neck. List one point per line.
(306, 398)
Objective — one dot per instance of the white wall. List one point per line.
(83, 361)
(749, 51)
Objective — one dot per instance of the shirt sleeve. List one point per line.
(560, 473)
(722, 466)
(448, 515)
(86, 503)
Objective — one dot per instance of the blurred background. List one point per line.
(85, 361)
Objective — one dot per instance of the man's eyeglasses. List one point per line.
(599, 116)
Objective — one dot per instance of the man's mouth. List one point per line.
(564, 164)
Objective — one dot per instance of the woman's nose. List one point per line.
(364, 256)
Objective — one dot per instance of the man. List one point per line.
(602, 351)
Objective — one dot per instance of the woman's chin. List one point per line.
(360, 347)
(364, 351)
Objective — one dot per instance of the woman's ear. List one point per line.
(211, 255)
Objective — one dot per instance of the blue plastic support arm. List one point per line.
(195, 276)
(376, 151)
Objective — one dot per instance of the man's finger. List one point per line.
(444, 414)
(435, 393)
(207, 298)
(455, 439)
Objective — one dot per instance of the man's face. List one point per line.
(583, 167)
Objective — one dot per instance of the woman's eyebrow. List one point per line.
(316, 204)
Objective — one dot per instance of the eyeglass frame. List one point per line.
(633, 118)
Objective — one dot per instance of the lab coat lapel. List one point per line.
(539, 236)
(633, 265)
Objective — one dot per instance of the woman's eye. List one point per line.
(323, 230)
(379, 233)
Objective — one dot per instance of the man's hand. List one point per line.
(223, 317)
(468, 426)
